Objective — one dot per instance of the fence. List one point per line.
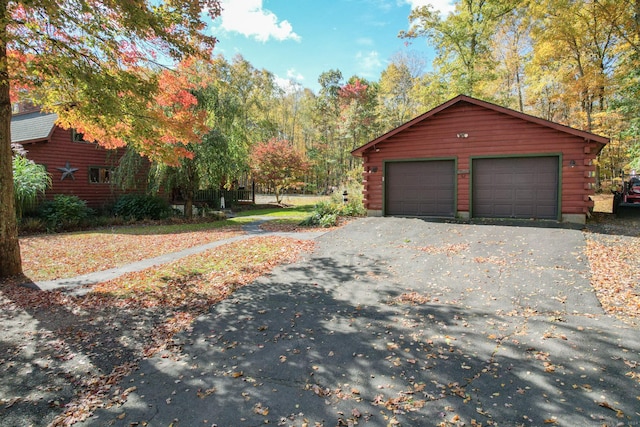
(212, 198)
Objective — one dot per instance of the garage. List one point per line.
(420, 188)
(518, 187)
(469, 158)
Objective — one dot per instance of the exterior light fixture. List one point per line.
(463, 135)
(572, 163)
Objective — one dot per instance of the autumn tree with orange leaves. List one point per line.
(279, 165)
(96, 65)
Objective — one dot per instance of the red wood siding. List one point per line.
(59, 150)
(490, 133)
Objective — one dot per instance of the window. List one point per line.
(100, 175)
(77, 136)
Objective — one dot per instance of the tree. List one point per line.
(511, 47)
(579, 42)
(624, 16)
(90, 62)
(326, 150)
(462, 40)
(278, 164)
(239, 102)
(626, 105)
(358, 100)
(396, 103)
(178, 98)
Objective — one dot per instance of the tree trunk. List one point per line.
(10, 262)
(519, 86)
(278, 194)
(188, 205)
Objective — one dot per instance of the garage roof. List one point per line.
(587, 136)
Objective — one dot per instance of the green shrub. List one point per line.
(29, 181)
(353, 208)
(64, 212)
(101, 221)
(141, 206)
(328, 220)
(326, 213)
(30, 225)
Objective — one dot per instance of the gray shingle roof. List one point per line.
(32, 127)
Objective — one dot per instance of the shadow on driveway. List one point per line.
(402, 322)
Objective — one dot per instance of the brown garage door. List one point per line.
(522, 187)
(421, 188)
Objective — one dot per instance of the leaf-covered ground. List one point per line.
(613, 250)
(63, 356)
(48, 257)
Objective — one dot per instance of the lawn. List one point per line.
(55, 256)
(64, 255)
(196, 282)
(293, 213)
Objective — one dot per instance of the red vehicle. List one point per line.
(629, 196)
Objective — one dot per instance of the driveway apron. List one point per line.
(402, 322)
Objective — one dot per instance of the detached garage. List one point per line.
(472, 159)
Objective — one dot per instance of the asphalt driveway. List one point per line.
(402, 322)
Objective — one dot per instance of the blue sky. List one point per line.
(299, 39)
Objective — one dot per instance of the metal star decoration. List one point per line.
(67, 171)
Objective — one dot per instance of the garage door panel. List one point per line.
(445, 195)
(546, 184)
(420, 188)
(523, 197)
(502, 209)
(502, 195)
(524, 179)
(519, 187)
(522, 211)
(485, 180)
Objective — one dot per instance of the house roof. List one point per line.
(32, 127)
(587, 136)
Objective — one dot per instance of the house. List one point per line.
(472, 159)
(77, 167)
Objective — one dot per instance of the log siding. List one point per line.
(465, 128)
(60, 150)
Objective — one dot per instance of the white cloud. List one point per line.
(289, 85)
(292, 83)
(284, 84)
(247, 17)
(364, 41)
(443, 6)
(293, 74)
(369, 61)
